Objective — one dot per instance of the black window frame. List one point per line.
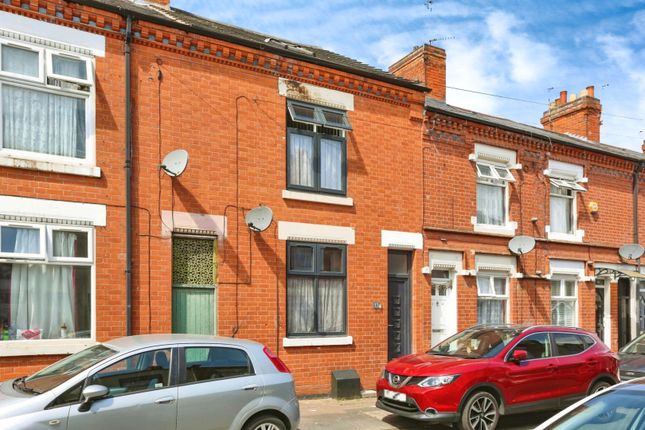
(316, 274)
(549, 339)
(317, 135)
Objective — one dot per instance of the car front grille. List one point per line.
(408, 406)
(399, 381)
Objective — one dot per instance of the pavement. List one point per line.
(359, 414)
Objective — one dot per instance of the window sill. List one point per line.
(16, 348)
(565, 237)
(317, 198)
(47, 166)
(504, 230)
(316, 341)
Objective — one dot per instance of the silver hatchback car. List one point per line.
(156, 382)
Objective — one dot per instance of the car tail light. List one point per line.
(279, 364)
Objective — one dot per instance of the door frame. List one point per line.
(406, 304)
(628, 286)
(605, 285)
(452, 303)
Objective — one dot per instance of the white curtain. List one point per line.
(43, 122)
(300, 304)
(560, 220)
(27, 240)
(301, 160)
(64, 243)
(42, 296)
(563, 312)
(491, 311)
(21, 61)
(69, 67)
(490, 204)
(331, 305)
(331, 163)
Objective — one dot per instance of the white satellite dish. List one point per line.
(175, 162)
(521, 244)
(259, 219)
(632, 251)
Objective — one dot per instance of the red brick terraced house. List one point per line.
(388, 230)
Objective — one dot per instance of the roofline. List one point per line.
(556, 138)
(248, 43)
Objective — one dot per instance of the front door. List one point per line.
(399, 304)
(624, 314)
(600, 312)
(641, 307)
(444, 321)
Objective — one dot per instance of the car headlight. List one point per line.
(437, 381)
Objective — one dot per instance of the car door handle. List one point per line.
(54, 422)
(165, 400)
(250, 388)
(591, 363)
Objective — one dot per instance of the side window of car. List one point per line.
(571, 343)
(148, 370)
(69, 397)
(208, 363)
(536, 346)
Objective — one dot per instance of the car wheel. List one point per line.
(599, 386)
(265, 422)
(481, 412)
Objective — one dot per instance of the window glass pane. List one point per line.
(303, 112)
(398, 263)
(568, 344)
(300, 305)
(503, 173)
(490, 204)
(71, 67)
(483, 285)
(485, 169)
(20, 61)
(301, 160)
(331, 164)
(500, 286)
(536, 346)
(43, 122)
(141, 372)
(40, 301)
(21, 240)
(491, 311)
(193, 261)
(69, 397)
(563, 312)
(334, 118)
(561, 220)
(205, 364)
(301, 258)
(440, 274)
(69, 243)
(331, 305)
(332, 260)
(570, 288)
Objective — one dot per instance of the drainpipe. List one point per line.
(128, 179)
(637, 172)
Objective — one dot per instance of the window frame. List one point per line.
(499, 297)
(181, 378)
(579, 335)
(42, 256)
(316, 274)
(50, 67)
(550, 341)
(41, 52)
(319, 115)
(564, 298)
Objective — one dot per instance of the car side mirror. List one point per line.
(519, 355)
(92, 393)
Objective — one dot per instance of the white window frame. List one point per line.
(494, 296)
(23, 256)
(89, 72)
(508, 176)
(508, 227)
(573, 202)
(41, 53)
(563, 298)
(13, 157)
(50, 244)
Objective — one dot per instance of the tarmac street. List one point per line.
(360, 414)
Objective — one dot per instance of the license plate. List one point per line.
(399, 397)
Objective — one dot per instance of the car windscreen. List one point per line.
(65, 369)
(637, 346)
(614, 409)
(476, 343)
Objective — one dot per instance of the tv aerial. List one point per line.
(632, 251)
(175, 162)
(521, 245)
(259, 219)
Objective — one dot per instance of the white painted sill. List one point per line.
(17, 348)
(317, 198)
(47, 166)
(505, 230)
(564, 237)
(316, 341)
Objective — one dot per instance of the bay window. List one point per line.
(492, 298)
(563, 302)
(45, 281)
(46, 104)
(316, 289)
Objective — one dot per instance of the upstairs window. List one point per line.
(563, 205)
(316, 148)
(46, 103)
(492, 183)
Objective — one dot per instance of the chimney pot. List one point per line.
(590, 91)
(579, 115)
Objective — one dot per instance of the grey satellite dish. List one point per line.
(633, 251)
(521, 244)
(259, 219)
(175, 162)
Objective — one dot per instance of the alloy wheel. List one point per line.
(266, 426)
(482, 414)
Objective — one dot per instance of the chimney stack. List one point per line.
(163, 3)
(577, 114)
(427, 65)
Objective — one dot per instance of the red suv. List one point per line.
(475, 376)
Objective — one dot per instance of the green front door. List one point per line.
(194, 273)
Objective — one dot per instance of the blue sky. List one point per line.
(518, 48)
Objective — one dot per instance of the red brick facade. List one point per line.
(405, 173)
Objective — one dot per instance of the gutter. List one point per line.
(252, 44)
(128, 177)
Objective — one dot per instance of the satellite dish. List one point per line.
(259, 219)
(175, 162)
(633, 251)
(521, 244)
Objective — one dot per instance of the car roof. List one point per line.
(633, 384)
(147, 340)
(527, 327)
